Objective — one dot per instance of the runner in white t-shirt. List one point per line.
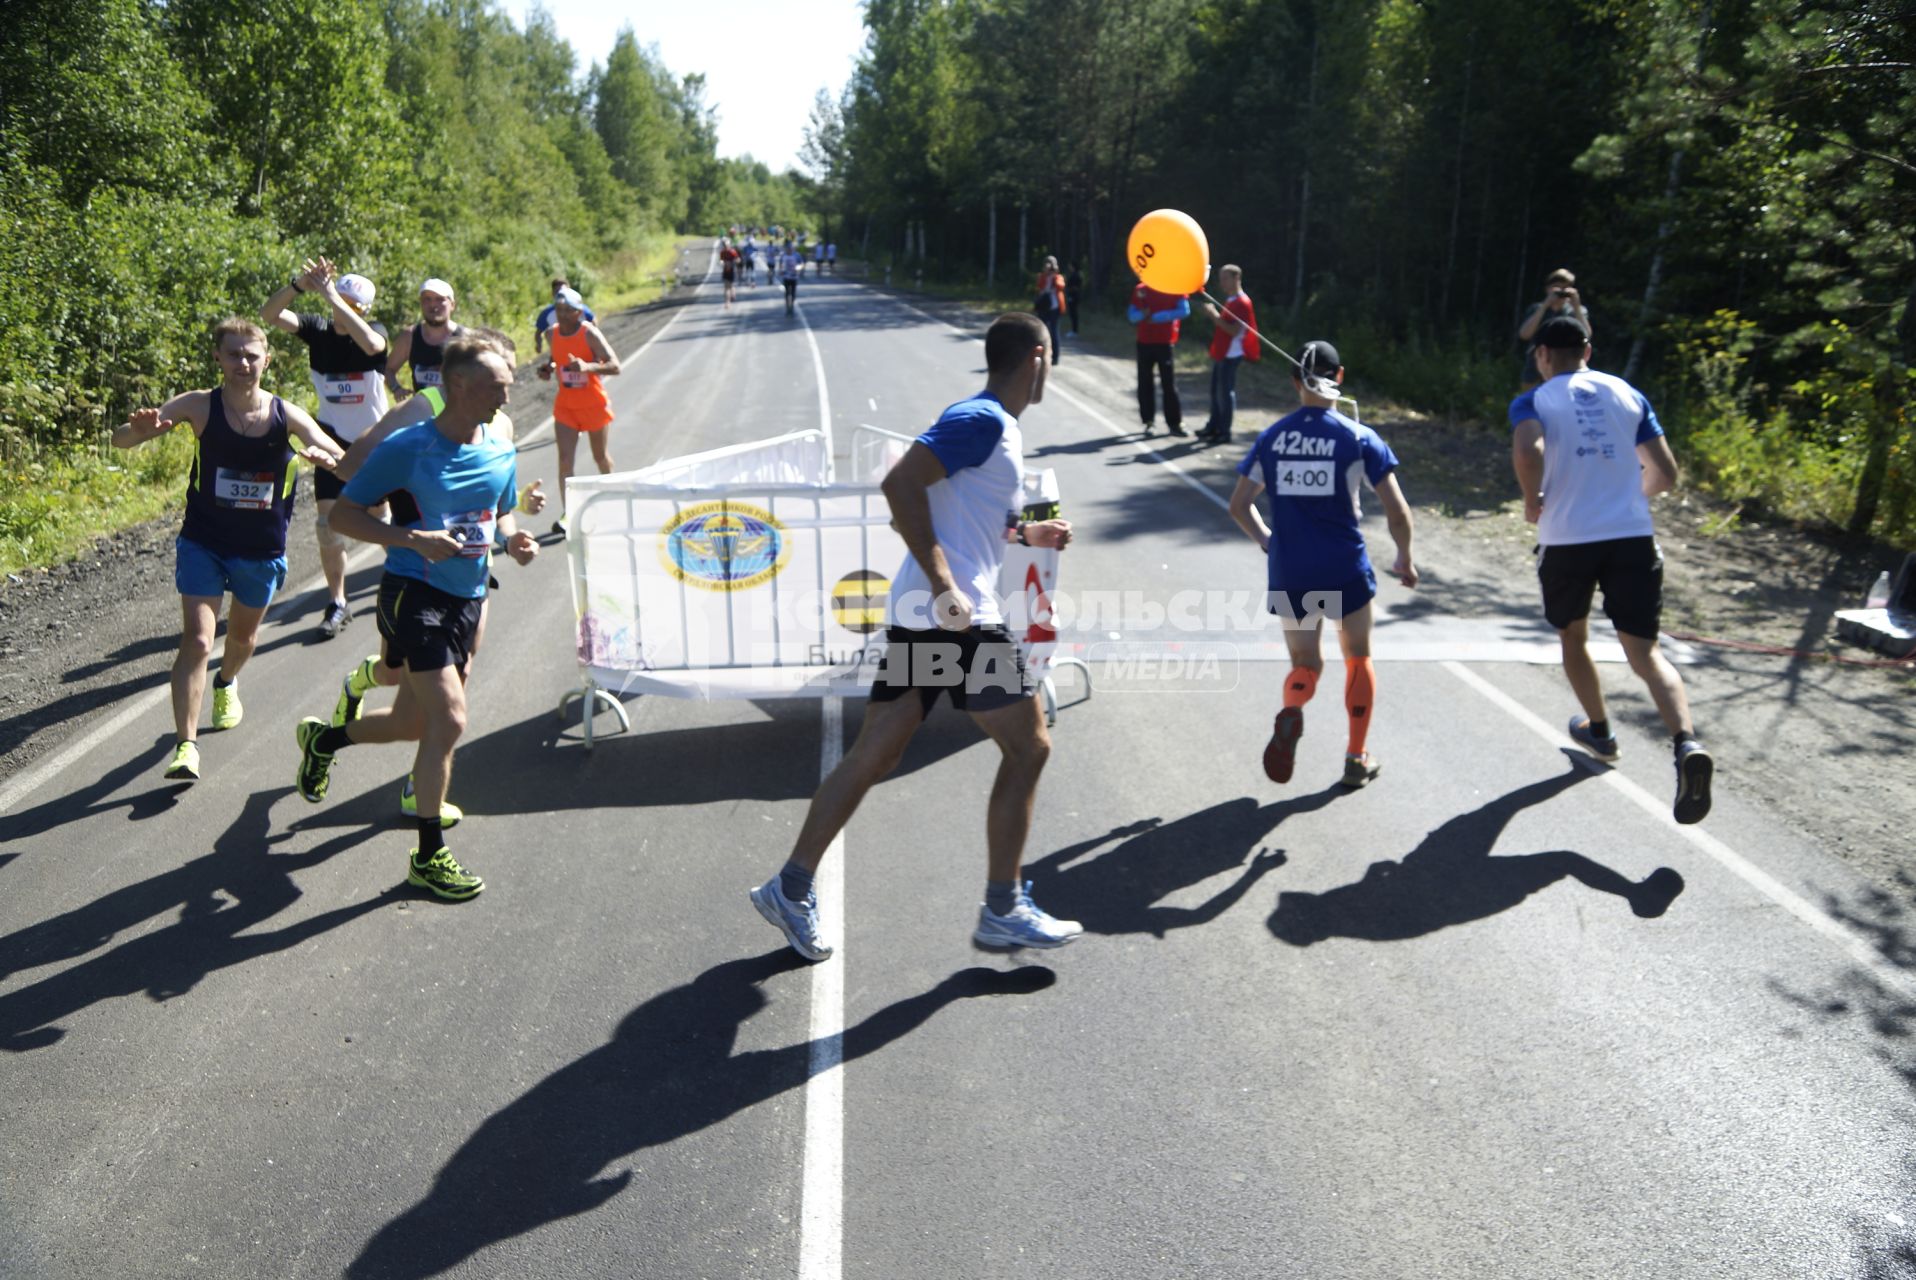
(955, 499)
(1590, 453)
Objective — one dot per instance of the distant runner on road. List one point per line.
(728, 271)
(581, 357)
(347, 356)
(955, 498)
(789, 265)
(464, 481)
(1590, 453)
(420, 348)
(239, 500)
(1311, 463)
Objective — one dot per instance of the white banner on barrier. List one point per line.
(754, 590)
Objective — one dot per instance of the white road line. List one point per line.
(822, 1196)
(873, 402)
(29, 781)
(824, 399)
(1853, 944)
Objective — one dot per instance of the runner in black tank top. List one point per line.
(417, 352)
(239, 497)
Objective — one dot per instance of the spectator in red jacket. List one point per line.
(1232, 343)
(1157, 316)
(1050, 301)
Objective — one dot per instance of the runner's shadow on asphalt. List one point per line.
(537, 764)
(1119, 890)
(91, 800)
(1098, 445)
(670, 1070)
(1451, 879)
(219, 896)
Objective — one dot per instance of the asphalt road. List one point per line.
(1495, 1016)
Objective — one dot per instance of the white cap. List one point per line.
(569, 297)
(357, 290)
(438, 286)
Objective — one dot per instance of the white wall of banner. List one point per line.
(746, 573)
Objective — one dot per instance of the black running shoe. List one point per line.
(1694, 768)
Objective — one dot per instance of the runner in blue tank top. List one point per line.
(239, 498)
(1312, 465)
(463, 481)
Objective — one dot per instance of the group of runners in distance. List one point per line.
(434, 480)
(739, 253)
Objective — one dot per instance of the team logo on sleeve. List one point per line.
(724, 546)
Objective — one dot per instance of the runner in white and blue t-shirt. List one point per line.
(462, 480)
(1590, 453)
(1312, 464)
(955, 499)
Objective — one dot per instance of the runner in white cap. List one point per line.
(421, 347)
(347, 356)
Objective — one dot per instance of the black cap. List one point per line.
(1318, 360)
(1563, 333)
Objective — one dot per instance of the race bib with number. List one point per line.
(574, 378)
(345, 388)
(428, 377)
(243, 490)
(1301, 479)
(473, 529)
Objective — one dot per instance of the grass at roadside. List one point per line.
(53, 507)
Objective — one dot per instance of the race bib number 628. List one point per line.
(1304, 479)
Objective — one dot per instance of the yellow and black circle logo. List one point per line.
(859, 599)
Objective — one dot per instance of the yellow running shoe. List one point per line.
(449, 813)
(185, 765)
(443, 876)
(227, 711)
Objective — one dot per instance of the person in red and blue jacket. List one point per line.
(1232, 343)
(1157, 316)
(1050, 301)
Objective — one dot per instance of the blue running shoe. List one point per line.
(798, 921)
(1025, 925)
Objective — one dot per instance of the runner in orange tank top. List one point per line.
(582, 358)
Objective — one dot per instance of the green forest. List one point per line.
(1732, 181)
(164, 164)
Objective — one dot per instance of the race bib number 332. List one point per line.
(245, 490)
(1301, 479)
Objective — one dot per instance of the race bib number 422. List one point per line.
(473, 529)
(245, 490)
(1300, 479)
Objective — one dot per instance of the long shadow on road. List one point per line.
(1451, 878)
(220, 896)
(1119, 890)
(669, 1071)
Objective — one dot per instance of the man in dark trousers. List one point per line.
(1157, 316)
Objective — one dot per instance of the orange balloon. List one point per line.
(1169, 252)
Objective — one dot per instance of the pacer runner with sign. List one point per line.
(239, 498)
(1311, 464)
(463, 479)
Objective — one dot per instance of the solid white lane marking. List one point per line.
(1853, 944)
(36, 776)
(822, 1194)
(818, 370)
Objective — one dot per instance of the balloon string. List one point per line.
(1252, 330)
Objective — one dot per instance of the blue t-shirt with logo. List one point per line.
(1312, 464)
(1592, 481)
(548, 317)
(461, 489)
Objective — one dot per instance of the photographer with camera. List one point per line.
(1560, 298)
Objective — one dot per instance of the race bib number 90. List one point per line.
(473, 529)
(346, 390)
(1300, 479)
(244, 490)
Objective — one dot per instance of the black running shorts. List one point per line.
(1630, 571)
(982, 668)
(425, 628)
(326, 484)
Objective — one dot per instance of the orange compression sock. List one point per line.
(1360, 690)
(1300, 686)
